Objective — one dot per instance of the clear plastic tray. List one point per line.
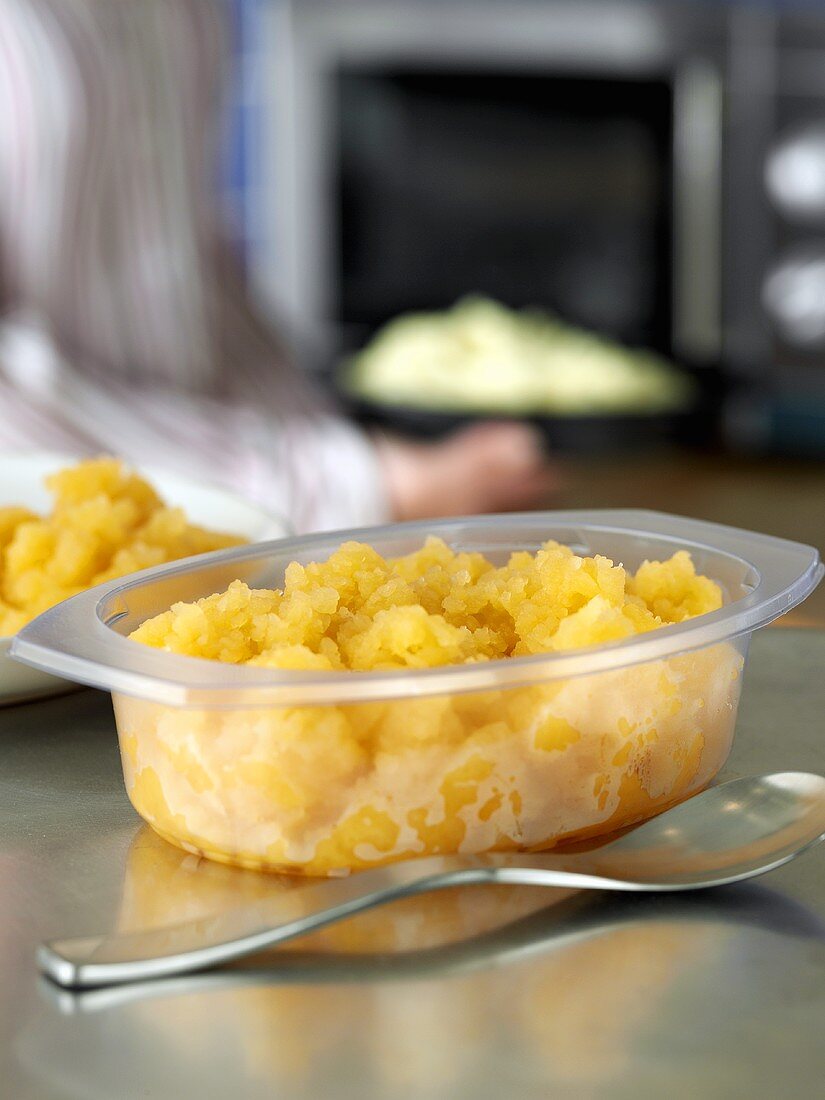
(327, 772)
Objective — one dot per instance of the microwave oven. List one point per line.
(646, 170)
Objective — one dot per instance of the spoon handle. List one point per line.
(209, 941)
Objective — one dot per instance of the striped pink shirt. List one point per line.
(124, 323)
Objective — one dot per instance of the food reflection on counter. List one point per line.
(576, 1013)
(325, 789)
(481, 357)
(164, 885)
(107, 521)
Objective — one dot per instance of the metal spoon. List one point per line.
(583, 915)
(731, 832)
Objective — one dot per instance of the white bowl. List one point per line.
(22, 482)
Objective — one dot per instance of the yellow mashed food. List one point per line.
(106, 522)
(326, 789)
(433, 607)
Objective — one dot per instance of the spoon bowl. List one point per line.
(733, 831)
(727, 833)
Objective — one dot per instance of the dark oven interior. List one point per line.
(537, 190)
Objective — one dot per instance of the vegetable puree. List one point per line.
(324, 789)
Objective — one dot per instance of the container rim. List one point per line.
(78, 639)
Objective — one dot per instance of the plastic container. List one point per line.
(327, 772)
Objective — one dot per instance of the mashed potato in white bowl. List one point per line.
(117, 520)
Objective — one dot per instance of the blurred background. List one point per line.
(652, 172)
(595, 226)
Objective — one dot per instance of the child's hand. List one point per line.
(489, 467)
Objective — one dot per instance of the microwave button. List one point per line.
(794, 297)
(795, 173)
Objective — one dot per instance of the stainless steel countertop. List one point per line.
(480, 992)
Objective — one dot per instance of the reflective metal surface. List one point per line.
(483, 991)
(730, 833)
